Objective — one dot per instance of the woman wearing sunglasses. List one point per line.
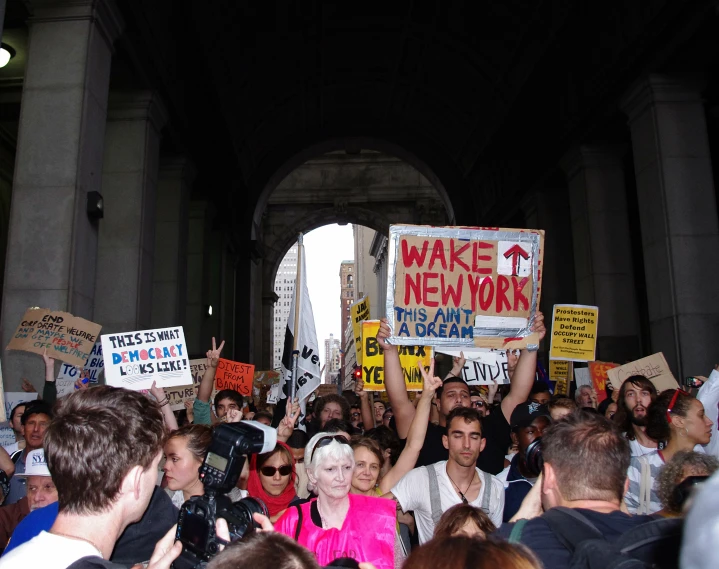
(677, 421)
(272, 480)
(337, 523)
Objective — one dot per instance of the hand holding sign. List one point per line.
(538, 326)
(359, 389)
(458, 363)
(213, 355)
(383, 333)
(28, 387)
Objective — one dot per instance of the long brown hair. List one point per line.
(461, 551)
(457, 516)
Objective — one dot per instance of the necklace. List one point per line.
(462, 494)
(322, 518)
(81, 539)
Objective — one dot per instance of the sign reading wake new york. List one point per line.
(66, 337)
(135, 359)
(463, 286)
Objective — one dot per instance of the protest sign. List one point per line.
(273, 395)
(359, 311)
(462, 286)
(135, 359)
(373, 363)
(581, 377)
(66, 337)
(235, 375)
(13, 398)
(177, 395)
(598, 373)
(574, 333)
(94, 365)
(561, 371)
(483, 366)
(7, 437)
(267, 377)
(654, 368)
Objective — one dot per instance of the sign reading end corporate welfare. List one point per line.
(135, 359)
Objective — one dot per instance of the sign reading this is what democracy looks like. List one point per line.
(135, 359)
(66, 337)
(463, 287)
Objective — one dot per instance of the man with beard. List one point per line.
(431, 490)
(635, 396)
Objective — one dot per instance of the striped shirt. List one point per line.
(635, 476)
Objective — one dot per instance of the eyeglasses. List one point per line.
(356, 415)
(269, 471)
(673, 401)
(478, 403)
(324, 441)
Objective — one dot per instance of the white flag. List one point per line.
(308, 364)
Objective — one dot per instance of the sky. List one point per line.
(325, 248)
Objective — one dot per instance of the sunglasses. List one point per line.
(269, 471)
(324, 441)
(477, 403)
(356, 415)
(673, 401)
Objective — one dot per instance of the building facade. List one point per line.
(284, 289)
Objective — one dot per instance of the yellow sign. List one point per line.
(373, 360)
(359, 312)
(574, 333)
(561, 372)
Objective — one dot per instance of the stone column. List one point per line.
(269, 298)
(678, 213)
(52, 245)
(548, 209)
(197, 281)
(126, 247)
(169, 291)
(602, 254)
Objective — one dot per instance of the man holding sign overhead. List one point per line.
(455, 393)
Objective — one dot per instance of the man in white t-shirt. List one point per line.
(430, 491)
(104, 481)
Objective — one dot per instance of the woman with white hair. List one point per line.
(339, 524)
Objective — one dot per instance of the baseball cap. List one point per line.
(526, 412)
(35, 464)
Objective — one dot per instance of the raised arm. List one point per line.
(366, 410)
(523, 377)
(49, 390)
(457, 366)
(394, 382)
(208, 378)
(417, 430)
(287, 424)
(164, 401)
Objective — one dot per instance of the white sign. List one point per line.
(7, 437)
(135, 359)
(582, 377)
(483, 366)
(95, 364)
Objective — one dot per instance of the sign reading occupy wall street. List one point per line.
(574, 333)
(460, 286)
(66, 337)
(561, 372)
(373, 360)
(359, 311)
(135, 359)
(235, 375)
(94, 365)
(483, 366)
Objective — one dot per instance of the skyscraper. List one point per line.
(284, 288)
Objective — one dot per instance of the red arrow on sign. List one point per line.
(516, 252)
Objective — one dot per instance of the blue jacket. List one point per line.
(518, 487)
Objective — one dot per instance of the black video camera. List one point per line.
(219, 473)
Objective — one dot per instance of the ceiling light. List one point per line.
(6, 54)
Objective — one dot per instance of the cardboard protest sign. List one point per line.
(7, 437)
(598, 373)
(66, 337)
(581, 377)
(359, 311)
(483, 366)
(574, 333)
(94, 365)
(652, 367)
(235, 375)
(561, 371)
(135, 359)
(373, 363)
(13, 398)
(462, 286)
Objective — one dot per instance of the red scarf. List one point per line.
(275, 504)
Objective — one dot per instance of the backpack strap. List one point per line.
(645, 486)
(570, 527)
(298, 529)
(435, 501)
(516, 534)
(487, 483)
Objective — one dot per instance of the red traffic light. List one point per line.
(357, 373)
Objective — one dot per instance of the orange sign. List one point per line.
(234, 375)
(598, 373)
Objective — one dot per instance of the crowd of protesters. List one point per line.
(502, 476)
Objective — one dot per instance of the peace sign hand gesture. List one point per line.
(431, 381)
(213, 355)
